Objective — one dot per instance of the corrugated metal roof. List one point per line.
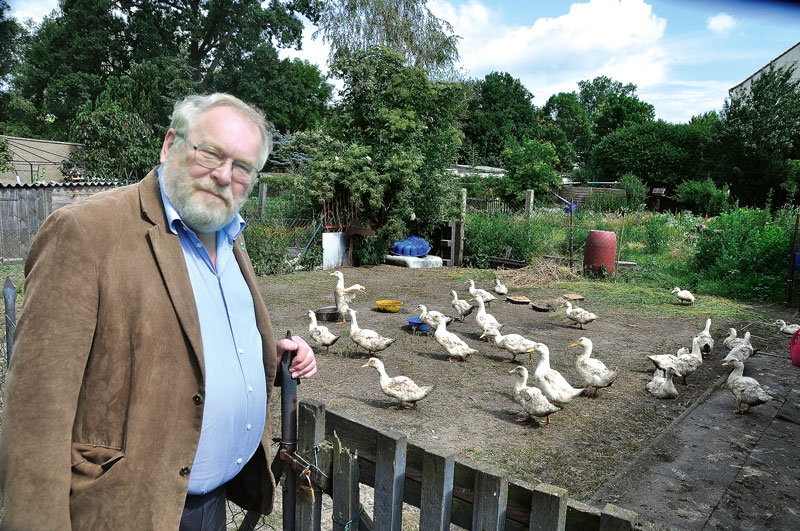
(55, 184)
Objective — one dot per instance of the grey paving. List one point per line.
(713, 470)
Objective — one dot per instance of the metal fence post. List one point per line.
(10, 297)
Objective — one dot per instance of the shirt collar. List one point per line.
(174, 220)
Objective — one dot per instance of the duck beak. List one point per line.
(574, 344)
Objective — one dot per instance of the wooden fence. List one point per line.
(23, 209)
(336, 454)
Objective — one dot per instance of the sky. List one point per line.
(683, 55)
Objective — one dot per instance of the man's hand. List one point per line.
(304, 364)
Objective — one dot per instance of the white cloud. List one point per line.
(34, 9)
(678, 101)
(617, 38)
(721, 23)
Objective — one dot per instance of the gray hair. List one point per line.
(188, 110)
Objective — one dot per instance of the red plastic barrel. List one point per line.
(601, 248)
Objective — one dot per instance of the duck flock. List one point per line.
(548, 391)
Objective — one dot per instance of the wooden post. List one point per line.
(790, 281)
(346, 504)
(436, 499)
(310, 433)
(619, 248)
(491, 495)
(458, 233)
(528, 203)
(615, 518)
(390, 474)
(262, 198)
(10, 298)
(548, 508)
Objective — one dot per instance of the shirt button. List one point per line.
(184, 471)
(198, 244)
(241, 351)
(249, 426)
(250, 388)
(197, 399)
(239, 461)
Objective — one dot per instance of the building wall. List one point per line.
(787, 58)
(37, 160)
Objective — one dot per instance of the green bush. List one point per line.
(606, 202)
(702, 197)
(656, 231)
(635, 192)
(743, 255)
(268, 248)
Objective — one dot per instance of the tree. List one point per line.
(406, 27)
(292, 93)
(566, 111)
(394, 122)
(500, 115)
(659, 153)
(10, 34)
(759, 134)
(618, 111)
(530, 166)
(592, 94)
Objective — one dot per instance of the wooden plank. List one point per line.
(582, 516)
(346, 505)
(548, 508)
(310, 434)
(615, 518)
(491, 491)
(437, 491)
(390, 473)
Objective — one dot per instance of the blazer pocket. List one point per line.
(91, 461)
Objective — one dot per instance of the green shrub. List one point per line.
(268, 248)
(702, 197)
(635, 192)
(606, 202)
(656, 231)
(743, 255)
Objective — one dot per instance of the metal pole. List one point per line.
(571, 233)
(790, 280)
(288, 436)
(10, 298)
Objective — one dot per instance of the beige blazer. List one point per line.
(104, 395)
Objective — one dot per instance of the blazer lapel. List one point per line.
(172, 264)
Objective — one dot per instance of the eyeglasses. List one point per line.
(212, 158)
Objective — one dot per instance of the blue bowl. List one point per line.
(415, 322)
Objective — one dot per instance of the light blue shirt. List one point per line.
(235, 405)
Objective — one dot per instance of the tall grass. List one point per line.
(741, 254)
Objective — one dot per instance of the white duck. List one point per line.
(499, 288)
(746, 390)
(478, 293)
(513, 343)
(533, 402)
(454, 345)
(705, 340)
(732, 340)
(662, 361)
(344, 296)
(320, 334)
(683, 295)
(485, 320)
(662, 386)
(402, 388)
(432, 317)
(554, 386)
(464, 308)
(741, 351)
(369, 340)
(790, 329)
(594, 372)
(686, 364)
(578, 316)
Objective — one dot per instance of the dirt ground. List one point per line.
(470, 412)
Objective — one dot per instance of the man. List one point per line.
(144, 357)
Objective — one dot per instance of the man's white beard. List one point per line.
(200, 213)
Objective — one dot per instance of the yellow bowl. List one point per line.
(389, 306)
